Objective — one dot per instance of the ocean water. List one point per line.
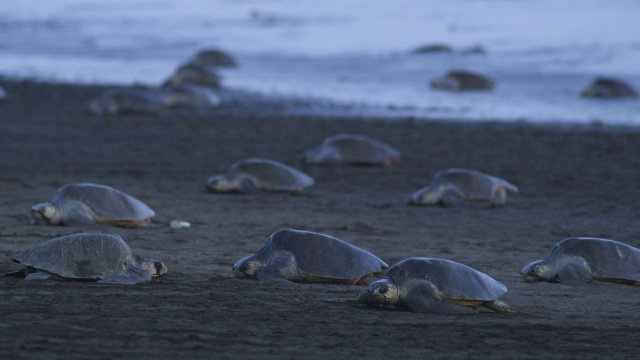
(542, 53)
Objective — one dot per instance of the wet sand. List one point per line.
(574, 181)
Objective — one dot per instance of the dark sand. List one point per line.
(574, 181)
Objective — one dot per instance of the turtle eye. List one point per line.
(158, 266)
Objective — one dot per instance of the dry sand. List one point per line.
(574, 181)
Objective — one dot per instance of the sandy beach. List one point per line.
(573, 180)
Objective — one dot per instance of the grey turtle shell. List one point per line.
(261, 174)
(99, 257)
(465, 184)
(608, 260)
(459, 80)
(351, 149)
(452, 279)
(320, 257)
(214, 58)
(86, 202)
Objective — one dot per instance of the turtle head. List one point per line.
(155, 267)
(219, 184)
(247, 267)
(46, 213)
(537, 271)
(380, 293)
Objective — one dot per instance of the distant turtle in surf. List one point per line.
(98, 257)
(435, 48)
(429, 285)
(607, 88)
(214, 58)
(457, 80)
(133, 101)
(351, 149)
(585, 260)
(190, 96)
(260, 174)
(193, 74)
(303, 256)
(449, 186)
(86, 203)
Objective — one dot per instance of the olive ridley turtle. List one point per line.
(458, 80)
(351, 149)
(95, 257)
(607, 88)
(449, 186)
(86, 203)
(304, 256)
(587, 259)
(429, 284)
(253, 175)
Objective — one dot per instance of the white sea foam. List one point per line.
(542, 53)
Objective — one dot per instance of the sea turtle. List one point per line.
(134, 101)
(213, 58)
(607, 88)
(435, 48)
(458, 80)
(98, 257)
(85, 203)
(587, 259)
(351, 149)
(193, 74)
(304, 256)
(190, 96)
(449, 186)
(427, 285)
(260, 174)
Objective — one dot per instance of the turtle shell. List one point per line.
(108, 205)
(607, 259)
(269, 175)
(453, 280)
(79, 256)
(472, 184)
(355, 149)
(323, 256)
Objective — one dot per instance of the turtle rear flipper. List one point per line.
(498, 306)
(129, 277)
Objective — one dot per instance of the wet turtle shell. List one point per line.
(351, 149)
(97, 257)
(214, 58)
(422, 284)
(260, 174)
(304, 256)
(85, 203)
(607, 88)
(458, 80)
(449, 186)
(587, 259)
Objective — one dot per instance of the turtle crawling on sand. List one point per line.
(304, 256)
(607, 88)
(585, 260)
(253, 175)
(449, 186)
(351, 149)
(457, 80)
(86, 203)
(132, 101)
(91, 257)
(429, 285)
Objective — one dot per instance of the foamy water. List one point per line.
(542, 53)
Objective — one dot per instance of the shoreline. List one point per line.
(574, 180)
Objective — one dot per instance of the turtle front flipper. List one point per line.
(129, 277)
(424, 297)
(575, 269)
(78, 214)
(281, 267)
(248, 186)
